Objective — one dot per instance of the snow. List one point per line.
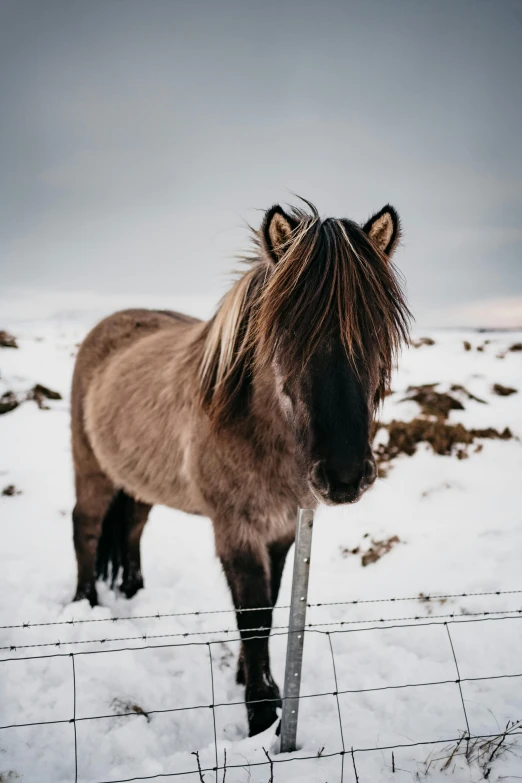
(460, 531)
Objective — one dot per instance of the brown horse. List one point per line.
(266, 407)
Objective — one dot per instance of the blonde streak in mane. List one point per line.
(222, 334)
(297, 238)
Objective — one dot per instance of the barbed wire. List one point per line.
(465, 619)
(186, 634)
(349, 602)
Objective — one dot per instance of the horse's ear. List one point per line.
(384, 229)
(276, 232)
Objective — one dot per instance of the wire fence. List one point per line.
(347, 754)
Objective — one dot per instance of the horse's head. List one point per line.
(330, 319)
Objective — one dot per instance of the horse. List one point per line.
(242, 418)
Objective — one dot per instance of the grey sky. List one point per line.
(137, 135)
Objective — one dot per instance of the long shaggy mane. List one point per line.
(331, 278)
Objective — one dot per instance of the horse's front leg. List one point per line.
(248, 575)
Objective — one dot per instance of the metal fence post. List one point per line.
(296, 627)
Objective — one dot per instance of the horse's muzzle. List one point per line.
(336, 488)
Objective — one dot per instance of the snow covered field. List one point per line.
(459, 529)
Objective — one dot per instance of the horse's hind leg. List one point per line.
(137, 514)
(94, 492)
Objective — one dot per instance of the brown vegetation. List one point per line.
(40, 393)
(8, 402)
(10, 490)
(125, 707)
(375, 551)
(439, 404)
(432, 403)
(479, 752)
(422, 341)
(444, 439)
(7, 340)
(503, 391)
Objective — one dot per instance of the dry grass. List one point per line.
(478, 753)
(125, 707)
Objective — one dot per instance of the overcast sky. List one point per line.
(137, 136)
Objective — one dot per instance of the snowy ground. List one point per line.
(460, 528)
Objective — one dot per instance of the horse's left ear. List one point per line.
(384, 229)
(276, 232)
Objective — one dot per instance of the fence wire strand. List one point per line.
(276, 761)
(134, 714)
(273, 762)
(459, 682)
(74, 721)
(336, 694)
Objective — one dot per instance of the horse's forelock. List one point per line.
(331, 277)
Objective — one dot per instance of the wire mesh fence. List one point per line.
(347, 752)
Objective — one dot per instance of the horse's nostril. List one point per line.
(370, 471)
(320, 475)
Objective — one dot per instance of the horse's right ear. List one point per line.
(276, 232)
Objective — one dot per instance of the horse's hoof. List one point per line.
(87, 592)
(261, 704)
(130, 587)
(260, 718)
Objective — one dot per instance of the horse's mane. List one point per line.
(330, 276)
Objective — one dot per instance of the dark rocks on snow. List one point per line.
(444, 439)
(40, 393)
(7, 340)
(422, 341)
(503, 391)
(10, 490)
(8, 402)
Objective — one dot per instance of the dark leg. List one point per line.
(277, 552)
(137, 514)
(94, 493)
(247, 573)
